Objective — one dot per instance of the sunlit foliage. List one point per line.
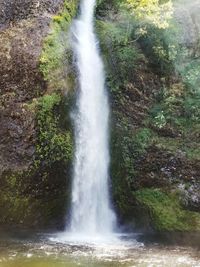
(152, 11)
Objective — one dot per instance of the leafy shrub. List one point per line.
(152, 12)
(192, 108)
(120, 51)
(190, 73)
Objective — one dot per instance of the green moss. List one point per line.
(28, 211)
(56, 51)
(13, 181)
(54, 143)
(31, 198)
(189, 147)
(165, 211)
(13, 207)
(128, 144)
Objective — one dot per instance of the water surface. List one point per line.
(44, 251)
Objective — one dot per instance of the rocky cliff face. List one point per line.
(155, 140)
(14, 11)
(24, 25)
(23, 28)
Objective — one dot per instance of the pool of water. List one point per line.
(39, 250)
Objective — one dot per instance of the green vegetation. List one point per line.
(177, 107)
(120, 52)
(54, 143)
(56, 56)
(127, 147)
(26, 197)
(155, 12)
(18, 210)
(177, 110)
(166, 212)
(14, 209)
(140, 41)
(189, 148)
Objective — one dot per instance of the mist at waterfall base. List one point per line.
(92, 218)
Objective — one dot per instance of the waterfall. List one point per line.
(91, 212)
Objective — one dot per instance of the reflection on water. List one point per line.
(41, 251)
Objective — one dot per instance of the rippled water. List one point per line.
(45, 251)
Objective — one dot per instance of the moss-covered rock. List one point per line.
(54, 142)
(165, 211)
(55, 60)
(154, 109)
(40, 190)
(36, 134)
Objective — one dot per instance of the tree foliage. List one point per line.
(152, 11)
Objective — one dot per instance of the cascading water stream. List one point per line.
(91, 212)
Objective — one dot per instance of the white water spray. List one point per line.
(91, 213)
